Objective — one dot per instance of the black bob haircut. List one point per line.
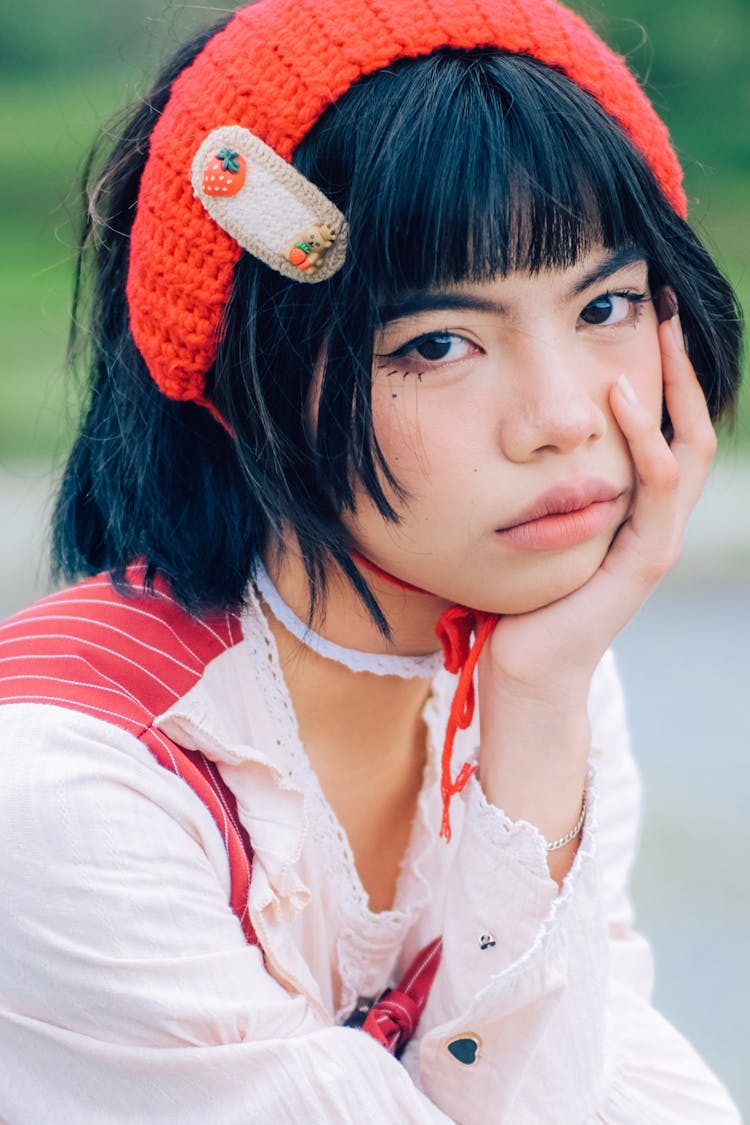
(459, 165)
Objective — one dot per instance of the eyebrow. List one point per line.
(614, 262)
(432, 300)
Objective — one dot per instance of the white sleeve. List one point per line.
(127, 990)
(558, 1007)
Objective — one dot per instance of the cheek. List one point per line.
(412, 432)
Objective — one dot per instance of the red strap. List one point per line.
(393, 1019)
(126, 660)
(202, 400)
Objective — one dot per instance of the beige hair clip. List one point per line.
(267, 206)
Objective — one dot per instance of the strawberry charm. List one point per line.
(224, 173)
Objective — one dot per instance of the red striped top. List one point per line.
(126, 660)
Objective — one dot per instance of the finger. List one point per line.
(685, 400)
(649, 543)
(655, 464)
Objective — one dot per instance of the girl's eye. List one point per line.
(613, 308)
(433, 348)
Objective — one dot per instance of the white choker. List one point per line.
(379, 664)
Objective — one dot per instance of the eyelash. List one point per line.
(399, 355)
(633, 297)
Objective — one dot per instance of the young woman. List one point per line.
(385, 344)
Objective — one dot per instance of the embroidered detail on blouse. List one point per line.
(247, 724)
(528, 845)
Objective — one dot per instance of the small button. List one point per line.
(465, 1048)
(486, 941)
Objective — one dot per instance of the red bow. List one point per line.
(454, 629)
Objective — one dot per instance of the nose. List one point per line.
(555, 408)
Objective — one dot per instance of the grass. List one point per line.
(47, 131)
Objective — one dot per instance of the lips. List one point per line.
(565, 516)
(564, 499)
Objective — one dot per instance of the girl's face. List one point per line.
(491, 406)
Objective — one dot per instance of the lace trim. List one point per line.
(378, 663)
(551, 928)
(368, 942)
(526, 841)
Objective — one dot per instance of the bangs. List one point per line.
(465, 166)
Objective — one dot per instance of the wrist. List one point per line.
(533, 763)
(559, 820)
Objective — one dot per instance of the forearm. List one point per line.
(533, 760)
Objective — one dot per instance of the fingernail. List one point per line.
(627, 389)
(675, 328)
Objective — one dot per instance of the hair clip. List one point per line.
(267, 206)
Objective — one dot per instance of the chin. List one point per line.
(544, 581)
(528, 602)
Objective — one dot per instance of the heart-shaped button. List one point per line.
(464, 1049)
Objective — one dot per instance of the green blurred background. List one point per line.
(67, 67)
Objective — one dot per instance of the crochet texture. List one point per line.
(274, 69)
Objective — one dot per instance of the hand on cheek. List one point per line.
(669, 480)
(536, 671)
(573, 632)
(670, 474)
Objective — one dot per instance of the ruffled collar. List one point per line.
(239, 715)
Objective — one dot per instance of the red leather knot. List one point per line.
(393, 1019)
(455, 628)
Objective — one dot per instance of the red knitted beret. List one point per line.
(258, 87)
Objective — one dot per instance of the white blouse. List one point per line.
(128, 992)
